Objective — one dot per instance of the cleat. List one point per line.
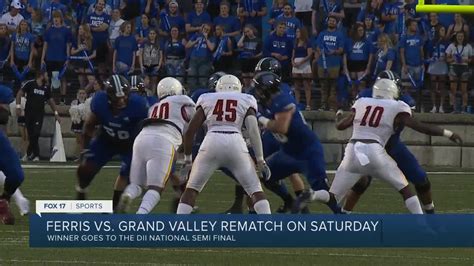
(285, 207)
(305, 210)
(301, 201)
(124, 204)
(252, 212)
(81, 196)
(6, 215)
(23, 205)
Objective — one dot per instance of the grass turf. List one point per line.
(452, 194)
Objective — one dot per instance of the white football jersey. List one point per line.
(176, 111)
(374, 118)
(225, 111)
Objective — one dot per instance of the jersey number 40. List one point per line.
(230, 112)
(375, 116)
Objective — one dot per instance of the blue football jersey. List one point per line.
(6, 95)
(198, 92)
(299, 136)
(123, 127)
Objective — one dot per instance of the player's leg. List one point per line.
(92, 160)
(298, 187)
(203, 166)
(410, 167)
(123, 179)
(244, 170)
(385, 168)
(141, 153)
(281, 165)
(158, 170)
(10, 165)
(21, 201)
(356, 192)
(239, 194)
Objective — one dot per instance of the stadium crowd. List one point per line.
(340, 45)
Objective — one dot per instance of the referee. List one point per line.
(37, 93)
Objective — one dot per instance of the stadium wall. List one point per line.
(430, 151)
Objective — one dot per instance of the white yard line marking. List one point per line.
(75, 262)
(47, 166)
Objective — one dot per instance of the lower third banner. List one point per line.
(102, 230)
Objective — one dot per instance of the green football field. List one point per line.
(453, 193)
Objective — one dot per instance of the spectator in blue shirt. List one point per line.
(329, 50)
(5, 43)
(83, 48)
(292, 23)
(223, 54)
(197, 17)
(252, 12)
(142, 31)
(280, 47)
(411, 55)
(231, 23)
(200, 60)
(49, 8)
(385, 55)
(438, 68)
(250, 53)
(125, 46)
(80, 11)
(175, 54)
(322, 10)
(389, 16)
(56, 48)
(171, 18)
(99, 22)
(22, 48)
(371, 31)
(301, 72)
(277, 10)
(358, 58)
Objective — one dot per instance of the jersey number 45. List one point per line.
(230, 112)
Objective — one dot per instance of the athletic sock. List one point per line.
(262, 207)
(150, 199)
(184, 208)
(116, 198)
(279, 189)
(429, 208)
(413, 205)
(133, 191)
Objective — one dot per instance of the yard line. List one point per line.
(75, 262)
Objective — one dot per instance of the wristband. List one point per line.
(447, 133)
(18, 106)
(264, 121)
(56, 113)
(188, 158)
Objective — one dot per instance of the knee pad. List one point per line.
(361, 186)
(423, 187)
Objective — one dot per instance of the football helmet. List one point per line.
(212, 81)
(117, 88)
(169, 86)
(266, 85)
(228, 83)
(386, 86)
(269, 64)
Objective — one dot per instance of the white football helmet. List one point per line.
(228, 83)
(169, 86)
(385, 89)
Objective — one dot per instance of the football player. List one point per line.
(118, 113)
(301, 151)
(155, 147)
(225, 112)
(137, 85)
(374, 121)
(9, 162)
(405, 160)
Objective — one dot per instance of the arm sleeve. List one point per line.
(254, 134)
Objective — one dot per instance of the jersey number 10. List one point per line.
(230, 112)
(375, 117)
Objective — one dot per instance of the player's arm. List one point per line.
(407, 120)
(89, 129)
(282, 120)
(251, 124)
(342, 122)
(196, 122)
